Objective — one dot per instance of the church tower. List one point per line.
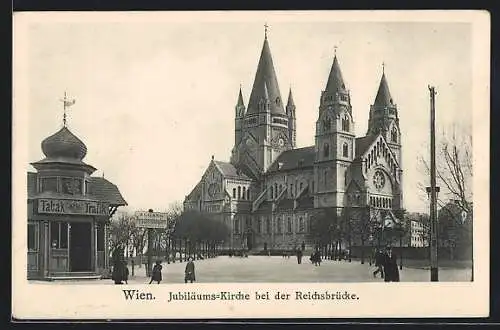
(265, 128)
(238, 118)
(292, 126)
(334, 142)
(384, 118)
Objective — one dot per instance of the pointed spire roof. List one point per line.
(335, 80)
(265, 82)
(383, 97)
(240, 99)
(290, 102)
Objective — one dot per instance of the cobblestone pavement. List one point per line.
(255, 269)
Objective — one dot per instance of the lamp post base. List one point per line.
(434, 274)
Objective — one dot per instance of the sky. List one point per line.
(155, 98)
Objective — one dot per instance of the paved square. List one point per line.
(255, 269)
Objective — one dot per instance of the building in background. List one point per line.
(269, 190)
(68, 212)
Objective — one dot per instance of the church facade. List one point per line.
(270, 189)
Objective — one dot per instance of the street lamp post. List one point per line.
(401, 247)
(433, 192)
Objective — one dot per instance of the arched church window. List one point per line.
(345, 124)
(275, 190)
(244, 192)
(248, 194)
(239, 192)
(289, 225)
(278, 100)
(234, 192)
(326, 150)
(345, 150)
(394, 135)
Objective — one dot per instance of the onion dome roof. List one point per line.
(64, 144)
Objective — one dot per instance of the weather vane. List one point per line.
(66, 104)
(335, 50)
(383, 67)
(265, 30)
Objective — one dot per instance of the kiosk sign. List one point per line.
(154, 220)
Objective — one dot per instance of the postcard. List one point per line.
(208, 165)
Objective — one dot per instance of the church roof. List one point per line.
(335, 80)
(383, 97)
(195, 194)
(363, 143)
(294, 159)
(98, 189)
(265, 84)
(230, 171)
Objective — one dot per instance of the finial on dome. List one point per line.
(66, 104)
(383, 67)
(265, 30)
(335, 50)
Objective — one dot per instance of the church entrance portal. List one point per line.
(80, 247)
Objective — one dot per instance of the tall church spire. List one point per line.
(290, 102)
(240, 99)
(265, 78)
(383, 97)
(335, 81)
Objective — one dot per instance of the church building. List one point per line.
(68, 212)
(270, 189)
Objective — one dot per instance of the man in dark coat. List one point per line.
(299, 256)
(379, 263)
(156, 273)
(189, 274)
(391, 272)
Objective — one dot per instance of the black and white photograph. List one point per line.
(271, 164)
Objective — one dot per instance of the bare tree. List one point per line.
(453, 169)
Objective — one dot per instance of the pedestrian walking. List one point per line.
(189, 274)
(125, 272)
(391, 272)
(118, 261)
(156, 273)
(379, 263)
(299, 256)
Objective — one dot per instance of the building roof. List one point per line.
(363, 143)
(105, 191)
(98, 189)
(335, 81)
(64, 144)
(294, 159)
(229, 171)
(265, 86)
(383, 97)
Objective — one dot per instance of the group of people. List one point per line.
(189, 274)
(387, 266)
(120, 272)
(315, 258)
